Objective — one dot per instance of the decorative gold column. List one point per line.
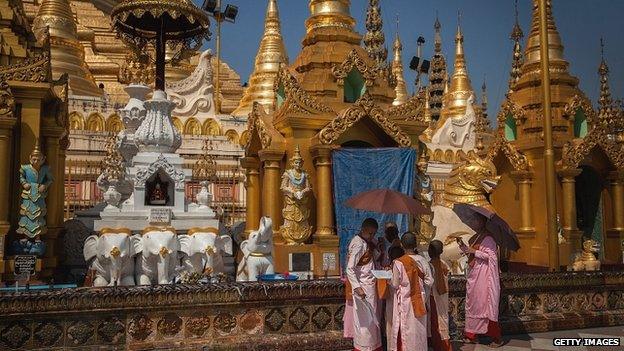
(524, 180)
(324, 201)
(55, 158)
(6, 130)
(617, 200)
(568, 182)
(614, 243)
(252, 186)
(271, 195)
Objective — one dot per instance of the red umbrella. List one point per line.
(498, 229)
(386, 201)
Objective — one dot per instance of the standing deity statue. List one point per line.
(424, 194)
(296, 188)
(36, 179)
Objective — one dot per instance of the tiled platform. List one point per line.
(544, 341)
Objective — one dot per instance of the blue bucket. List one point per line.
(276, 277)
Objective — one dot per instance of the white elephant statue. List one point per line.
(204, 249)
(157, 256)
(111, 256)
(257, 253)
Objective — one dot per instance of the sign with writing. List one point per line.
(25, 265)
(329, 261)
(160, 215)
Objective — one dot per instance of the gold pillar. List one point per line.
(252, 186)
(568, 219)
(549, 152)
(568, 189)
(524, 180)
(6, 130)
(324, 196)
(55, 159)
(271, 181)
(617, 200)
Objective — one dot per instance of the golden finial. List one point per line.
(516, 63)
(374, 39)
(532, 50)
(460, 89)
(271, 54)
(112, 164)
(330, 14)
(397, 69)
(438, 75)
(437, 36)
(605, 102)
(206, 166)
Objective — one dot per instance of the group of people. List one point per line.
(409, 303)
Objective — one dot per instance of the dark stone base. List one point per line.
(283, 316)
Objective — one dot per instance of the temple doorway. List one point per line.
(590, 186)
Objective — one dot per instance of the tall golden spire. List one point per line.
(271, 54)
(532, 51)
(456, 99)
(67, 55)
(438, 74)
(516, 63)
(374, 39)
(605, 102)
(397, 70)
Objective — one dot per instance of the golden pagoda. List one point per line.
(55, 17)
(271, 55)
(460, 89)
(397, 69)
(333, 95)
(590, 163)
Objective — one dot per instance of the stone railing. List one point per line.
(298, 316)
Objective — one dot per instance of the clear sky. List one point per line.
(486, 25)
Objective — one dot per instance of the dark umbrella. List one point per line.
(386, 201)
(495, 225)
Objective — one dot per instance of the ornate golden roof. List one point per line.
(397, 70)
(67, 55)
(271, 54)
(460, 89)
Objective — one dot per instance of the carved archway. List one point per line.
(76, 121)
(95, 123)
(177, 123)
(244, 138)
(212, 128)
(192, 127)
(114, 124)
(232, 136)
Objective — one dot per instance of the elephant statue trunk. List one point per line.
(158, 260)
(204, 249)
(257, 249)
(111, 256)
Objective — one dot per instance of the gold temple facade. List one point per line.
(333, 95)
(33, 108)
(587, 149)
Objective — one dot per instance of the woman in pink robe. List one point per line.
(482, 285)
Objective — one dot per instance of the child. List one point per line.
(438, 302)
(411, 278)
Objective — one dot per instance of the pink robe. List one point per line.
(359, 323)
(413, 329)
(482, 288)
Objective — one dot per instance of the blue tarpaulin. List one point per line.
(359, 170)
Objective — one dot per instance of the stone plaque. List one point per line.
(25, 265)
(329, 261)
(160, 215)
(301, 262)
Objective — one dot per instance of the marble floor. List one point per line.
(544, 341)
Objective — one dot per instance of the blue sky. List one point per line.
(486, 25)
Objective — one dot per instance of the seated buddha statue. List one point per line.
(158, 195)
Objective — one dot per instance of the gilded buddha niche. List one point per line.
(296, 212)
